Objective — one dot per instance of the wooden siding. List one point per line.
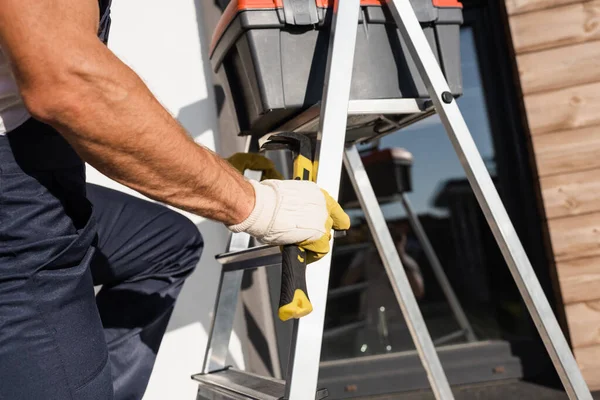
(520, 6)
(571, 194)
(558, 26)
(567, 151)
(575, 237)
(588, 357)
(569, 108)
(585, 319)
(557, 46)
(560, 67)
(579, 279)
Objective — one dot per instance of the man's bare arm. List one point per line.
(71, 81)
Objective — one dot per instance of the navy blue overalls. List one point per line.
(60, 237)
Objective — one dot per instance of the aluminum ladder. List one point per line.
(217, 381)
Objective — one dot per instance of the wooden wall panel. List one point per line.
(571, 194)
(567, 151)
(584, 322)
(560, 67)
(520, 6)
(557, 46)
(559, 26)
(575, 237)
(587, 358)
(564, 109)
(579, 279)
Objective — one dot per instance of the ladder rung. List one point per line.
(386, 106)
(344, 329)
(236, 383)
(346, 290)
(450, 337)
(232, 384)
(255, 257)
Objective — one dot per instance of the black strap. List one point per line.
(300, 12)
(104, 27)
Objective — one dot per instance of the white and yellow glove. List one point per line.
(294, 212)
(287, 211)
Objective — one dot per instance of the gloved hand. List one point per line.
(255, 162)
(294, 212)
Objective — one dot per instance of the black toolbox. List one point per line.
(273, 54)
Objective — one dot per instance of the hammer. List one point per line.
(293, 300)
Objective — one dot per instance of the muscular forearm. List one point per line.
(71, 81)
(112, 120)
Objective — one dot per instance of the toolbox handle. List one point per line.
(300, 12)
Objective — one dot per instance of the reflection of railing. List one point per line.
(475, 250)
(389, 172)
(347, 290)
(343, 330)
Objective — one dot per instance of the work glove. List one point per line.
(294, 212)
(254, 162)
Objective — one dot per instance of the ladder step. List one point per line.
(232, 384)
(450, 337)
(387, 106)
(254, 257)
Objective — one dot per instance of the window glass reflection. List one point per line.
(363, 317)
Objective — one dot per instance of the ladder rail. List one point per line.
(304, 360)
(438, 270)
(217, 348)
(490, 202)
(307, 336)
(228, 293)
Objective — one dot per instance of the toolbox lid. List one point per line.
(447, 3)
(286, 12)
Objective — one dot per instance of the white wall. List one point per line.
(162, 42)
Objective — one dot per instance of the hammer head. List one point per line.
(296, 142)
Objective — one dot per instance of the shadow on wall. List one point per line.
(208, 15)
(199, 118)
(182, 351)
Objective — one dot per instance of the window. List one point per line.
(363, 317)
